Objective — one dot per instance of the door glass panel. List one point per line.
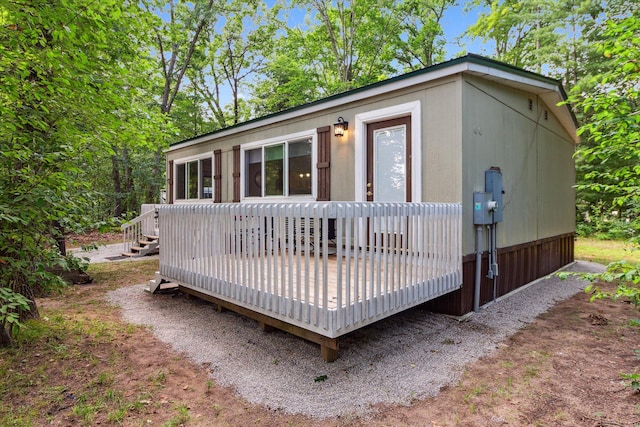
(389, 157)
(274, 170)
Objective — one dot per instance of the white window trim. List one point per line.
(360, 138)
(311, 134)
(184, 160)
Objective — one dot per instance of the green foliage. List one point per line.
(598, 221)
(73, 263)
(181, 418)
(610, 158)
(10, 304)
(634, 381)
(320, 378)
(67, 73)
(626, 275)
(345, 45)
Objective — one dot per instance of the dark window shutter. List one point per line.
(236, 173)
(324, 164)
(170, 183)
(217, 177)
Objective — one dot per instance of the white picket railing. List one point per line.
(327, 267)
(144, 224)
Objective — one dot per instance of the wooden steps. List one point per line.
(148, 244)
(159, 284)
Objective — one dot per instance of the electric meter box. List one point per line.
(493, 185)
(482, 215)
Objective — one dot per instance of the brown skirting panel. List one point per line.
(517, 266)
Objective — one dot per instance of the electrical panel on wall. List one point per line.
(482, 213)
(493, 185)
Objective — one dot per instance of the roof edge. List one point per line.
(452, 63)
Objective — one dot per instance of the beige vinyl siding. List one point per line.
(468, 124)
(440, 141)
(556, 195)
(442, 148)
(537, 170)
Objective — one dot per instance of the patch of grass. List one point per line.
(118, 274)
(530, 372)
(210, 385)
(180, 418)
(159, 379)
(477, 391)
(104, 379)
(86, 412)
(605, 251)
(65, 366)
(217, 410)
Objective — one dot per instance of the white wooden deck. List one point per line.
(328, 268)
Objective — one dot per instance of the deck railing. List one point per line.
(327, 267)
(144, 224)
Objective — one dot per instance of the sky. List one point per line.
(454, 22)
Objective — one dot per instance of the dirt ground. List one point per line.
(97, 237)
(562, 370)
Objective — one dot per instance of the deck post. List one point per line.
(265, 327)
(329, 350)
(328, 346)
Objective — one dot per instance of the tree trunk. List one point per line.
(117, 185)
(131, 204)
(61, 240)
(20, 286)
(157, 175)
(5, 338)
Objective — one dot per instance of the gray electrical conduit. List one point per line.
(476, 295)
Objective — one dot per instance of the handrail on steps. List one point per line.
(144, 224)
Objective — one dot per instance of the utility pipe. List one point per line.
(476, 295)
(494, 258)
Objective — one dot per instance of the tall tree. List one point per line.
(231, 57)
(61, 81)
(523, 32)
(347, 44)
(422, 41)
(612, 120)
(343, 45)
(175, 34)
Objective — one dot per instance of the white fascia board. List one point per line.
(511, 77)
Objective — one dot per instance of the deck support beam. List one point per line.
(328, 346)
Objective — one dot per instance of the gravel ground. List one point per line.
(108, 253)
(409, 356)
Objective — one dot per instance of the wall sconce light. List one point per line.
(340, 127)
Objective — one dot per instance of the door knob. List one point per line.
(369, 185)
(369, 193)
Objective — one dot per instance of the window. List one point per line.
(194, 179)
(280, 169)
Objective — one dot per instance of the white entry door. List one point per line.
(389, 161)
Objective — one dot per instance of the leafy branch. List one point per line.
(10, 305)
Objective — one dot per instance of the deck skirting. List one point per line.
(519, 264)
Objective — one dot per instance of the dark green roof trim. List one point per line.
(471, 58)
